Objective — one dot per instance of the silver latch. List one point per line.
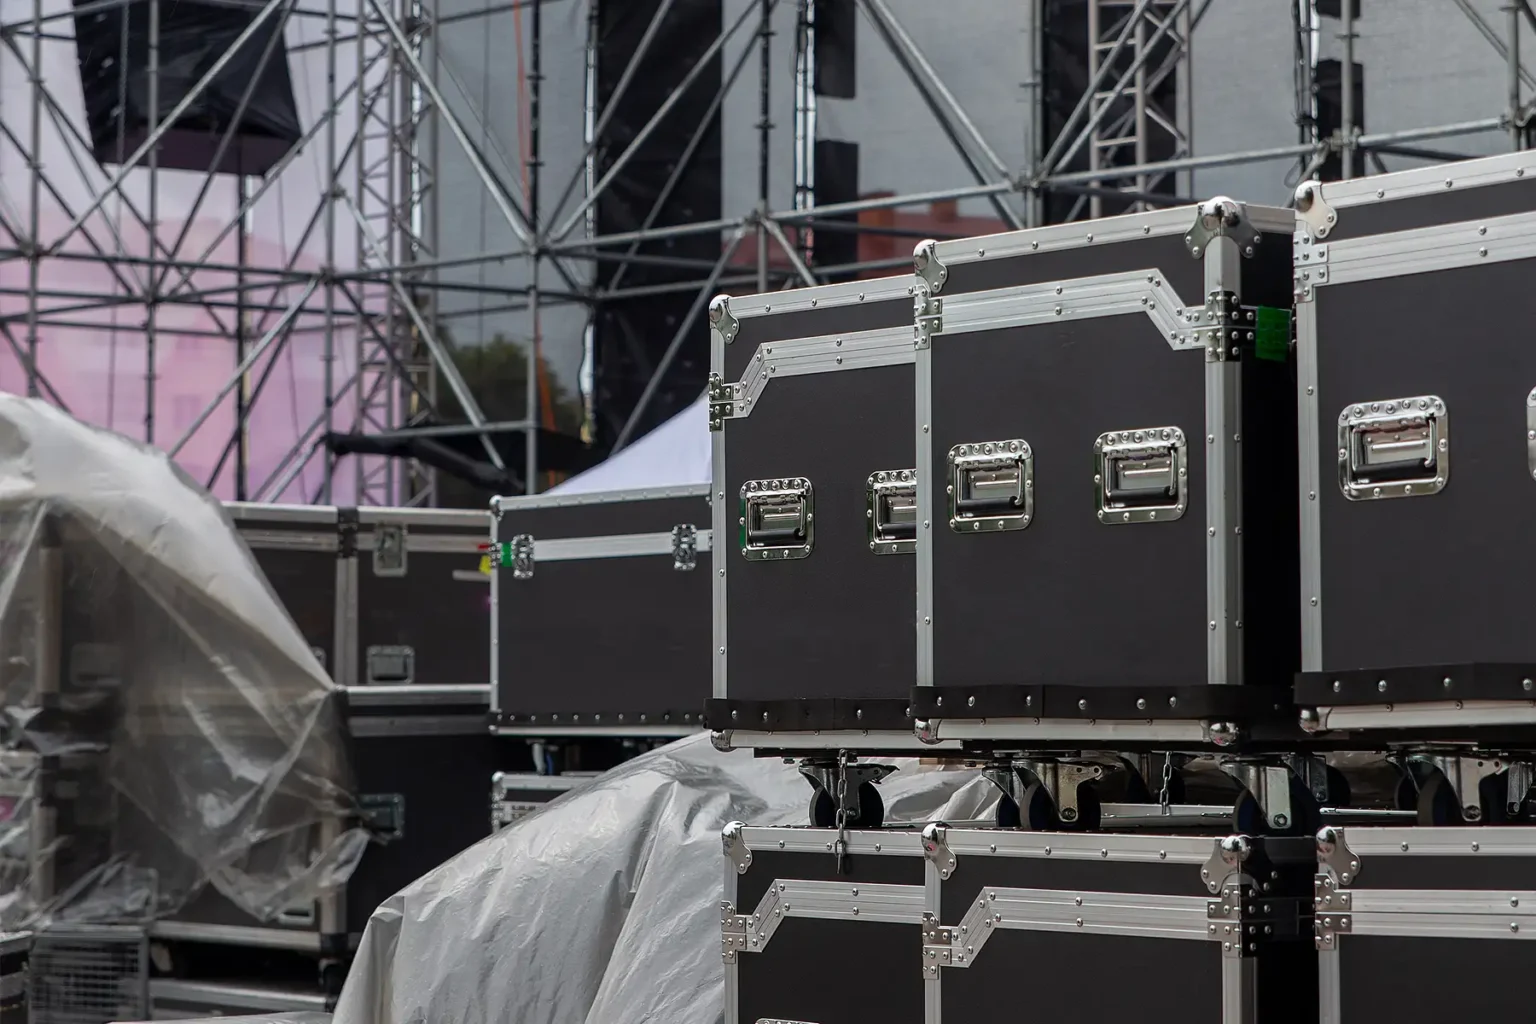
(522, 556)
(1530, 432)
(391, 665)
(1394, 449)
(389, 549)
(777, 519)
(298, 915)
(991, 486)
(685, 547)
(384, 814)
(1141, 476)
(892, 511)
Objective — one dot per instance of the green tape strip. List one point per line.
(1272, 334)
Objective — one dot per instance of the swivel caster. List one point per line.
(1439, 803)
(1035, 811)
(1140, 789)
(1273, 801)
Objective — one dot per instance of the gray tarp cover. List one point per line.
(142, 651)
(602, 908)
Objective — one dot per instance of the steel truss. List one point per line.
(385, 361)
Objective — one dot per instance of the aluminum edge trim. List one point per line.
(1328, 985)
(1419, 181)
(1307, 418)
(512, 505)
(1223, 501)
(827, 296)
(1161, 849)
(465, 518)
(729, 894)
(923, 410)
(1173, 221)
(243, 511)
(1280, 220)
(888, 842)
(495, 706)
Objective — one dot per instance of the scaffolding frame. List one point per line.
(403, 124)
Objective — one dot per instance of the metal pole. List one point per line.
(151, 297)
(34, 216)
(1512, 10)
(1053, 156)
(805, 114)
(1034, 106)
(241, 409)
(535, 349)
(654, 384)
(1347, 92)
(764, 137)
(332, 184)
(777, 232)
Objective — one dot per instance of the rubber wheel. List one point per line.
(1493, 792)
(1407, 794)
(823, 812)
(1338, 787)
(1007, 813)
(1037, 811)
(1089, 810)
(1249, 817)
(1136, 791)
(1437, 803)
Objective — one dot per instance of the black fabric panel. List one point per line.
(1150, 878)
(1434, 872)
(1165, 253)
(1451, 207)
(605, 636)
(604, 519)
(1069, 600)
(192, 37)
(769, 866)
(1472, 543)
(446, 621)
(305, 584)
(811, 323)
(839, 623)
(834, 972)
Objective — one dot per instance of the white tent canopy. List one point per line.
(675, 454)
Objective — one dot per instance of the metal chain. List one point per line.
(841, 844)
(1162, 796)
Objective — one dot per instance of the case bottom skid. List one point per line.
(1423, 926)
(977, 925)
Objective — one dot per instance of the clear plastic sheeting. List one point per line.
(163, 725)
(603, 907)
(297, 1017)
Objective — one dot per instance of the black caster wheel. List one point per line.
(1249, 817)
(1437, 803)
(1089, 811)
(1338, 787)
(823, 812)
(1007, 813)
(1038, 812)
(1406, 797)
(1136, 787)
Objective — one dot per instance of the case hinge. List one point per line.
(733, 932)
(722, 404)
(685, 547)
(938, 947)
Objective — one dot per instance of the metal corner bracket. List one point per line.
(1318, 216)
(721, 320)
(925, 263)
(722, 404)
(1227, 860)
(731, 837)
(1221, 217)
(1335, 857)
(936, 848)
(685, 547)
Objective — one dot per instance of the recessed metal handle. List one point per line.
(391, 665)
(1394, 449)
(892, 512)
(1141, 476)
(991, 486)
(777, 519)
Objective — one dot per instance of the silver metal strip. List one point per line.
(1485, 841)
(1420, 251)
(728, 954)
(1455, 714)
(1311, 476)
(344, 659)
(720, 687)
(461, 518)
(372, 726)
(923, 413)
(1505, 904)
(495, 621)
(1239, 990)
(237, 935)
(1442, 926)
(854, 350)
(433, 543)
(880, 902)
(790, 839)
(1329, 987)
(1086, 298)
(1174, 221)
(512, 505)
(1223, 489)
(1151, 849)
(827, 296)
(290, 540)
(628, 731)
(232, 997)
(1080, 912)
(749, 739)
(624, 545)
(1068, 730)
(418, 694)
(253, 511)
(1426, 180)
